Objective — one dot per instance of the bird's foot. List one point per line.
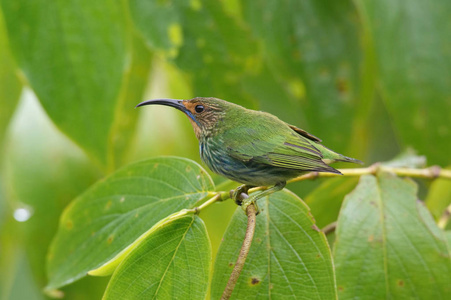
(240, 193)
(246, 202)
(254, 197)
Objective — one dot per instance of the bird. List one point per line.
(252, 147)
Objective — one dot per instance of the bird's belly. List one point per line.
(247, 172)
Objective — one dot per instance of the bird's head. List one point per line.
(203, 113)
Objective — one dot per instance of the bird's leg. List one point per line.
(253, 198)
(236, 195)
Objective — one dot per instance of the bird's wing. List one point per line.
(285, 149)
(296, 153)
(304, 133)
(248, 143)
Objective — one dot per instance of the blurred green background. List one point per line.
(370, 78)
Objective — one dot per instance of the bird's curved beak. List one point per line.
(168, 102)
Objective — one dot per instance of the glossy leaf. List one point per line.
(173, 262)
(387, 245)
(105, 223)
(289, 256)
(10, 86)
(73, 54)
(315, 46)
(414, 59)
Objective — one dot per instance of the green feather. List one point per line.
(274, 143)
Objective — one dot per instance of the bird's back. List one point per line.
(257, 148)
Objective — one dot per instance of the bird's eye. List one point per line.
(199, 108)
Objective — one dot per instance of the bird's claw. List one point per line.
(240, 194)
(249, 201)
(241, 197)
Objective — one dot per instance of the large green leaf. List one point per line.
(173, 262)
(411, 40)
(73, 53)
(104, 224)
(275, 96)
(125, 118)
(388, 246)
(9, 83)
(289, 256)
(316, 42)
(202, 40)
(43, 172)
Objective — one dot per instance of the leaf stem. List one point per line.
(210, 201)
(444, 219)
(251, 219)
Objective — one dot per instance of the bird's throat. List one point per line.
(196, 128)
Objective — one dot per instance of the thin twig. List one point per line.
(210, 201)
(426, 173)
(329, 228)
(251, 218)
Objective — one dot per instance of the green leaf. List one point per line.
(289, 256)
(414, 57)
(10, 85)
(104, 223)
(43, 172)
(265, 87)
(388, 246)
(126, 117)
(439, 197)
(325, 201)
(316, 42)
(73, 53)
(173, 262)
(407, 159)
(201, 39)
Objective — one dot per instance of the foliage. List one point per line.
(379, 230)
(370, 78)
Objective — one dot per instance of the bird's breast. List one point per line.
(215, 156)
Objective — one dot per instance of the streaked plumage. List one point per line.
(252, 147)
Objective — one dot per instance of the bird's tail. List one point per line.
(332, 156)
(348, 159)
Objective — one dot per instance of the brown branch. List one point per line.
(329, 228)
(251, 219)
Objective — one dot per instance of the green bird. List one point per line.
(252, 147)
